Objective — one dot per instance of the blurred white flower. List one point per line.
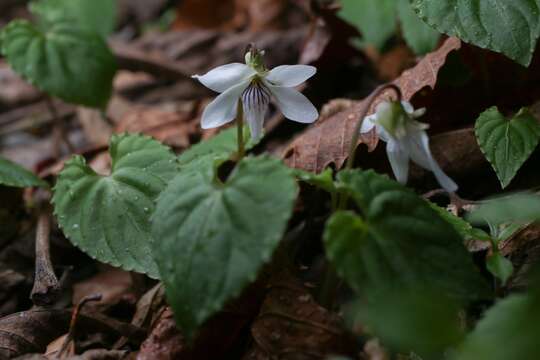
(256, 86)
(405, 139)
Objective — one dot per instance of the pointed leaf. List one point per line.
(108, 217)
(15, 175)
(401, 244)
(72, 64)
(214, 237)
(507, 144)
(500, 267)
(511, 27)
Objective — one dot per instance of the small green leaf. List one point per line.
(507, 144)
(462, 227)
(401, 244)
(15, 175)
(376, 19)
(97, 16)
(509, 330)
(511, 27)
(221, 146)
(108, 217)
(426, 323)
(72, 64)
(215, 237)
(418, 35)
(519, 207)
(500, 267)
(323, 180)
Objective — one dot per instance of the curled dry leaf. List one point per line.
(327, 142)
(291, 325)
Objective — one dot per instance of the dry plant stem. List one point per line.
(73, 323)
(240, 130)
(59, 130)
(331, 281)
(46, 287)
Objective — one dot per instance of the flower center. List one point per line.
(256, 97)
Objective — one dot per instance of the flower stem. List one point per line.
(330, 283)
(240, 130)
(368, 102)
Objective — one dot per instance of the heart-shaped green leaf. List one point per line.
(400, 244)
(509, 330)
(419, 36)
(15, 175)
(507, 144)
(97, 16)
(108, 217)
(214, 236)
(511, 27)
(72, 64)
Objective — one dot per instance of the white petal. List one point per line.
(294, 105)
(399, 160)
(421, 154)
(368, 123)
(290, 75)
(255, 120)
(407, 106)
(226, 76)
(224, 108)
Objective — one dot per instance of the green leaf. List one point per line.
(426, 323)
(97, 16)
(509, 330)
(507, 144)
(215, 237)
(74, 65)
(462, 227)
(500, 267)
(511, 27)
(15, 175)
(376, 19)
(323, 180)
(108, 217)
(419, 36)
(401, 244)
(519, 207)
(222, 146)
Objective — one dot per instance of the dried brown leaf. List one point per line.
(291, 325)
(328, 141)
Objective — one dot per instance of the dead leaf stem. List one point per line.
(46, 287)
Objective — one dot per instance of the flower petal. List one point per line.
(224, 108)
(255, 120)
(226, 76)
(294, 105)
(398, 156)
(290, 75)
(421, 154)
(368, 124)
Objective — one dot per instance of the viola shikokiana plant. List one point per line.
(206, 235)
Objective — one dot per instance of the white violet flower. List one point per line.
(255, 86)
(405, 139)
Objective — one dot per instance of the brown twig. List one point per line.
(46, 287)
(73, 323)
